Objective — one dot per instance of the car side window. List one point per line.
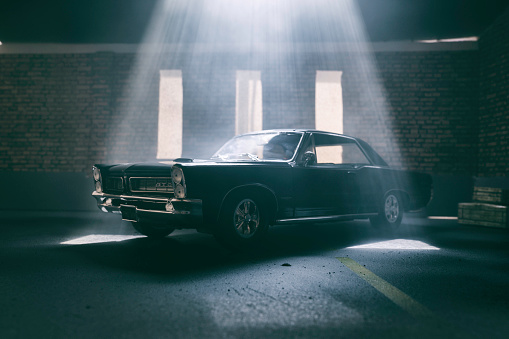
(337, 150)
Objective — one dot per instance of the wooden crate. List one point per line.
(491, 195)
(483, 214)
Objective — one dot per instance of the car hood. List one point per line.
(154, 168)
(163, 168)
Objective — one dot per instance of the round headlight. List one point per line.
(180, 191)
(177, 175)
(98, 187)
(97, 174)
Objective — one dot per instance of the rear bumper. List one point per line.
(178, 213)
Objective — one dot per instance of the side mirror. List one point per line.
(309, 158)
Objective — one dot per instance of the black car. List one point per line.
(261, 179)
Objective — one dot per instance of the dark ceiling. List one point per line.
(124, 21)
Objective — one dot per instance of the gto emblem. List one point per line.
(162, 185)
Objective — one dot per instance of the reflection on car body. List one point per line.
(261, 179)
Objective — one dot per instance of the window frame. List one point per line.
(310, 142)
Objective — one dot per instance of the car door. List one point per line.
(328, 185)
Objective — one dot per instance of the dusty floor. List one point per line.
(89, 275)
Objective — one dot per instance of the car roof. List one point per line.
(378, 160)
(297, 130)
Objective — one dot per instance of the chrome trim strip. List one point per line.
(326, 218)
(186, 200)
(163, 212)
(127, 197)
(133, 197)
(117, 208)
(169, 178)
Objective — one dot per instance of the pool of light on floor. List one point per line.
(442, 218)
(397, 244)
(99, 238)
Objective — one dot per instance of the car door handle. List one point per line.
(351, 172)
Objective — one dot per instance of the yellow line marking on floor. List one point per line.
(394, 294)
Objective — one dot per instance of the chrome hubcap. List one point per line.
(391, 208)
(246, 218)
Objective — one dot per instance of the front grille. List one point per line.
(113, 184)
(158, 185)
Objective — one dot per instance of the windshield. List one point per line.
(265, 146)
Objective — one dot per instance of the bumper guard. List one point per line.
(180, 213)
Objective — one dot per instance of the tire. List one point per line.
(390, 212)
(243, 223)
(152, 230)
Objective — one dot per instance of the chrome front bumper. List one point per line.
(180, 213)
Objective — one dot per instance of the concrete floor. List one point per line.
(440, 280)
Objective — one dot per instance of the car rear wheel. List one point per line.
(243, 223)
(390, 212)
(152, 230)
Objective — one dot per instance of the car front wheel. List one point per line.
(152, 230)
(243, 223)
(390, 212)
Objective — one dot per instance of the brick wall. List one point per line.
(55, 110)
(494, 99)
(64, 112)
(433, 104)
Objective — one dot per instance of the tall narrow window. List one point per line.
(329, 101)
(248, 105)
(171, 98)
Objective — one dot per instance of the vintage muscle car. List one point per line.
(261, 179)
